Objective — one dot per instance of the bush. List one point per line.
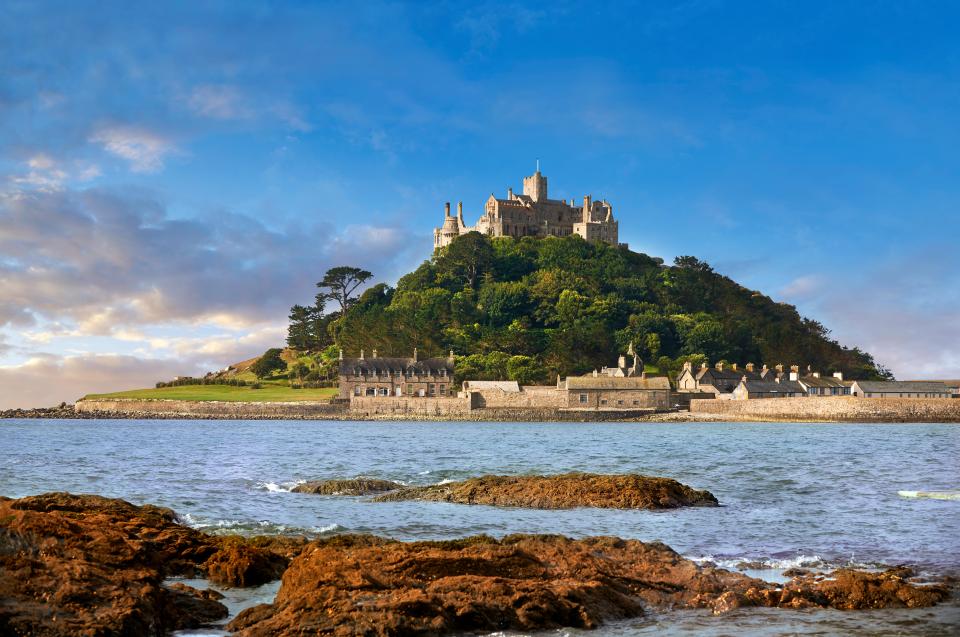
(268, 363)
(256, 386)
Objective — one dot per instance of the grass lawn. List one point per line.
(269, 393)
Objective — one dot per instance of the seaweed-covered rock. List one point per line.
(362, 585)
(562, 492)
(356, 486)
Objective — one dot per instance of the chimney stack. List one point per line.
(374, 352)
(510, 194)
(688, 366)
(719, 366)
(446, 209)
(622, 362)
(361, 354)
(341, 353)
(733, 367)
(749, 367)
(414, 354)
(816, 374)
(838, 375)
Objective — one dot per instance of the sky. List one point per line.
(174, 176)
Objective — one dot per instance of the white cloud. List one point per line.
(143, 149)
(46, 380)
(218, 102)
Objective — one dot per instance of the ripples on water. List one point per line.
(826, 494)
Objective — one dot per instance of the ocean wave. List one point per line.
(932, 495)
(277, 487)
(766, 563)
(257, 527)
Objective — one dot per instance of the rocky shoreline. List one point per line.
(85, 564)
(66, 411)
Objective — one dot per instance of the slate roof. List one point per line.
(726, 379)
(822, 381)
(902, 387)
(608, 382)
(773, 387)
(382, 365)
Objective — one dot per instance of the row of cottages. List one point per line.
(732, 382)
(376, 376)
(619, 387)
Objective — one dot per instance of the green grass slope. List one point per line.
(268, 393)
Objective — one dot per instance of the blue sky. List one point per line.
(174, 176)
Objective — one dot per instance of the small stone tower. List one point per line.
(535, 186)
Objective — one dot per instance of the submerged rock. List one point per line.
(357, 486)
(562, 492)
(85, 564)
(362, 585)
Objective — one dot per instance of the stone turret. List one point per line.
(535, 186)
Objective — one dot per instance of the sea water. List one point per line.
(809, 495)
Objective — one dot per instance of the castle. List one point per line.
(533, 214)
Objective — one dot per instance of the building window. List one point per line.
(432, 389)
(603, 401)
(619, 402)
(636, 402)
(356, 390)
(583, 399)
(442, 389)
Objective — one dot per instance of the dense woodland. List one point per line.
(530, 309)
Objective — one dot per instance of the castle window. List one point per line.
(583, 399)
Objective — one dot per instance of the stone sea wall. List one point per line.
(373, 406)
(210, 408)
(539, 396)
(834, 409)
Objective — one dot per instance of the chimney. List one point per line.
(414, 354)
(688, 366)
(595, 374)
(622, 362)
(719, 366)
(510, 193)
(816, 374)
(838, 375)
(446, 209)
(374, 352)
(586, 203)
(794, 372)
(460, 209)
(703, 365)
(733, 367)
(779, 368)
(749, 367)
(361, 354)
(341, 353)
(451, 357)
(765, 368)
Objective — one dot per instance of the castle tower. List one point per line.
(535, 186)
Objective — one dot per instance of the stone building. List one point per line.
(719, 379)
(899, 389)
(411, 377)
(533, 214)
(817, 385)
(619, 387)
(780, 388)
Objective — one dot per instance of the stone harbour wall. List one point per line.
(373, 406)
(833, 408)
(535, 396)
(210, 408)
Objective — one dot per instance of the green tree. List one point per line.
(526, 370)
(465, 261)
(340, 283)
(269, 363)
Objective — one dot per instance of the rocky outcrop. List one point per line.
(83, 564)
(562, 492)
(360, 585)
(356, 486)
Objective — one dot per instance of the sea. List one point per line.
(817, 496)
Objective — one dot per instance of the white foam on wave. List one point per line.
(278, 487)
(259, 527)
(736, 563)
(932, 495)
(446, 481)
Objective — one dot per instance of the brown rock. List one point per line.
(358, 486)
(84, 564)
(562, 492)
(239, 563)
(361, 585)
(91, 565)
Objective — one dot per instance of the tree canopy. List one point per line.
(532, 308)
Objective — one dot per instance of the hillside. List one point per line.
(534, 308)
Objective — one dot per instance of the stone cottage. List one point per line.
(383, 376)
(899, 389)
